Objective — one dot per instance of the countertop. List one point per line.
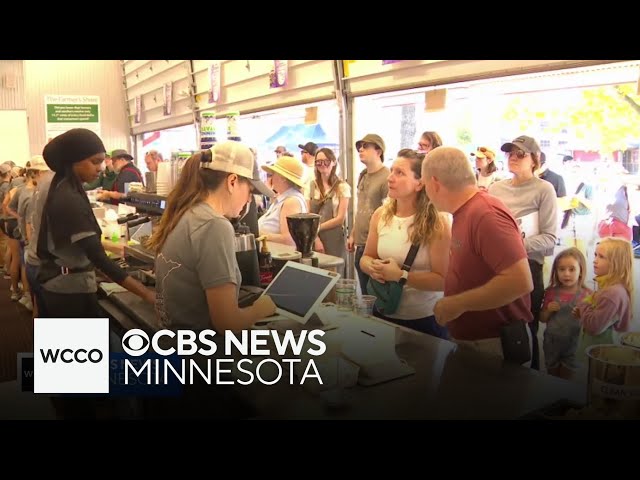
(450, 381)
(324, 261)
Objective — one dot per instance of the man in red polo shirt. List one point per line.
(488, 281)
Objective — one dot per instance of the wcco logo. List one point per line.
(67, 355)
(71, 355)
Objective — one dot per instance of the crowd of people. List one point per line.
(465, 242)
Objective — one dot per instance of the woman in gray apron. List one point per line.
(329, 197)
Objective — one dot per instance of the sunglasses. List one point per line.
(520, 154)
(424, 146)
(365, 145)
(326, 162)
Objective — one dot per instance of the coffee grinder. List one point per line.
(303, 228)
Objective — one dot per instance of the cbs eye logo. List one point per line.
(135, 342)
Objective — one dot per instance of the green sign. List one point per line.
(72, 113)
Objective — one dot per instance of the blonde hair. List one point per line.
(427, 222)
(620, 256)
(576, 254)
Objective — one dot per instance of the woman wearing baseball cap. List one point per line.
(485, 167)
(69, 246)
(534, 205)
(198, 278)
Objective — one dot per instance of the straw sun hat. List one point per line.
(289, 168)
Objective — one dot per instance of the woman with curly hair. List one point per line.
(409, 218)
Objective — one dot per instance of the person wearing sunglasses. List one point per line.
(534, 204)
(329, 196)
(372, 190)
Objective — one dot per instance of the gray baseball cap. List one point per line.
(526, 144)
(233, 157)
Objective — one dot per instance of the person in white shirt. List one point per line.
(408, 217)
(486, 167)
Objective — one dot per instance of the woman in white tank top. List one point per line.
(408, 217)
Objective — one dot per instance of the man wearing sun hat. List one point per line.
(287, 180)
(372, 190)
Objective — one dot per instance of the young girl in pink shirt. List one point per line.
(607, 313)
(566, 290)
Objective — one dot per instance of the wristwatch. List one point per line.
(404, 278)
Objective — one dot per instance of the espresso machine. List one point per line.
(303, 228)
(139, 226)
(246, 230)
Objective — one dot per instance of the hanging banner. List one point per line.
(435, 100)
(387, 62)
(279, 76)
(345, 66)
(64, 112)
(138, 111)
(214, 82)
(168, 98)
(207, 130)
(232, 126)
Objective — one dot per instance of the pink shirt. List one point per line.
(612, 305)
(555, 294)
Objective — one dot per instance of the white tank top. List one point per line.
(393, 242)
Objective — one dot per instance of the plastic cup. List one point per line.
(345, 291)
(363, 306)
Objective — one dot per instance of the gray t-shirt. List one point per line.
(372, 190)
(534, 205)
(198, 254)
(13, 203)
(4, 189)
(70, 256)
(34, 214)
(23, 203)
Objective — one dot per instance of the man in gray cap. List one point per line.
(127, 173)
(372, 190)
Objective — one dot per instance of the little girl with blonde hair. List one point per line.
(607, 313)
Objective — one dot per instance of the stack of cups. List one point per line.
(163, 178)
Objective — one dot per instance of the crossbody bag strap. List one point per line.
(329, 194)
(411, 256)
